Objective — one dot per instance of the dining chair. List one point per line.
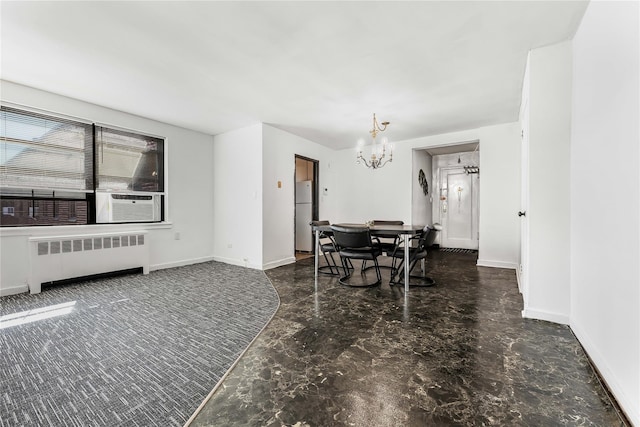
(356, 243)
(387, 243)
(328, 248)
(417, 252)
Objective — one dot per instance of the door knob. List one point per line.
(522, 213)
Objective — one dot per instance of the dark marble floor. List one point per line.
(458, 353)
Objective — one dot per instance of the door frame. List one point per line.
(315, 196)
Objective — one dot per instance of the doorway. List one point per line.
(446, 193)
(306, 204)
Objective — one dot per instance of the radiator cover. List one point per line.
(66, 257)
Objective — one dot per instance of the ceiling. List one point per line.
(315, 69)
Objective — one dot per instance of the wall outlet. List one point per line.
(176, 236)
(229, 246)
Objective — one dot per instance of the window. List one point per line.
(48, 165)
(128, 162)
(42, 152)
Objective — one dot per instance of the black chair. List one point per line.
(356, 243)
(327, 247)
(388, 243)
(417, 252)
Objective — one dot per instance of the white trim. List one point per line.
(80, 229)
(13, 290)
(496, 264)
(128, 130)
(180, 263)
(130, 193)
(548, 316)
(238, 262)
(606, 374)
(36, 110)
(446, 145)
(518, 273)
(279, 263)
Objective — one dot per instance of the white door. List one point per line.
(459, 209)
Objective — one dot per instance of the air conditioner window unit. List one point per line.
(119, 207)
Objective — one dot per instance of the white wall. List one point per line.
(280, 149)
(605, 232)
(548, 212)
(363, 194)
(237, 194)
(421, 204)
(189, 174)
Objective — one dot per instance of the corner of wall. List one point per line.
(548, 316)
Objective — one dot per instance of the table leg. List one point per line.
(406, 263)
(317, 254)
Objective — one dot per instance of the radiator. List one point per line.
(67, 257)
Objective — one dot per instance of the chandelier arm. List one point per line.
(382, 164)
(360, 158)
(378, 158)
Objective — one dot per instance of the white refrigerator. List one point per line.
(304, 199)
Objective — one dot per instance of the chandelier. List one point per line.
(378, 151)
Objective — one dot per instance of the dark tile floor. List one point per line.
(458, 353)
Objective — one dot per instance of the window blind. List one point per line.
(128, 161)
(44, 152)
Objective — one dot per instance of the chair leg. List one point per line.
(396, 271)
(375, 261)
(347, 266)
(424, 281)
(331, 265)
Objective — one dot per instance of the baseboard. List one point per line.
(13, 290)
(180, 263)
(238, 262)
(628, 406)
(518, 280)
(548, 316)
(496, 264)
(279, 263)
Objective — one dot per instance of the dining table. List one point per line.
(379, 230)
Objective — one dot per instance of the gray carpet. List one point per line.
(133, 350)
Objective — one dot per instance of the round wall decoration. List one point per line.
(423, 182)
